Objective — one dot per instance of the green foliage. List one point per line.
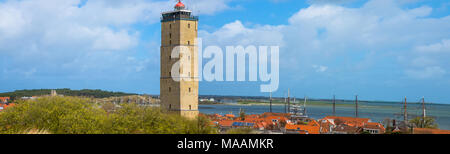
(242, 114)
(66, 92)
(302, 123)
(204, 127)
(55, 114)
(73, 115)
(426, 122)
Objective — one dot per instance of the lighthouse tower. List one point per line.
(179, 91)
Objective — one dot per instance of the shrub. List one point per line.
(74, 115)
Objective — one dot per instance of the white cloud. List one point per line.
(427, 72)
(320, 68)
(443, 46)
(207, 7)
(11, 23)
(330, 1)
(63, 37)
(331, 34)
(236, 33)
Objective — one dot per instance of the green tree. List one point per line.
(426, 122)
(242, 114)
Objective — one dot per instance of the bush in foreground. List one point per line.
(74, 115)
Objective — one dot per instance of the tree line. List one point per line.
(66, 92)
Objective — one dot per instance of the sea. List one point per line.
(376, 111)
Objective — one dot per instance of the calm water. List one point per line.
(377, 112)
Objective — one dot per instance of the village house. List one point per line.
(4, 106)
(312, 127)
(279, 123)
(4, 100)
(350, 125)
(345, 129)
(373, 128)
(326, 126)
(350, 121)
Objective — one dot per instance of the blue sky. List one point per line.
(378, 49)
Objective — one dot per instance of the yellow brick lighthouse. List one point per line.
(179, 90)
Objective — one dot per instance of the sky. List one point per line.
(376, 49)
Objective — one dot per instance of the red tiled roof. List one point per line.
(351, 121)
(346, 128)
(306, 128)
(226, 123)
(229, 115)
(313, 123)
(4, 99)
(6, 106)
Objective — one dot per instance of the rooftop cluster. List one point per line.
(281, 123)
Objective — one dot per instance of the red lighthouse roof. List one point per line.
(179, 4)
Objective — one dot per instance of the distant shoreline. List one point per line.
(102, 93)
